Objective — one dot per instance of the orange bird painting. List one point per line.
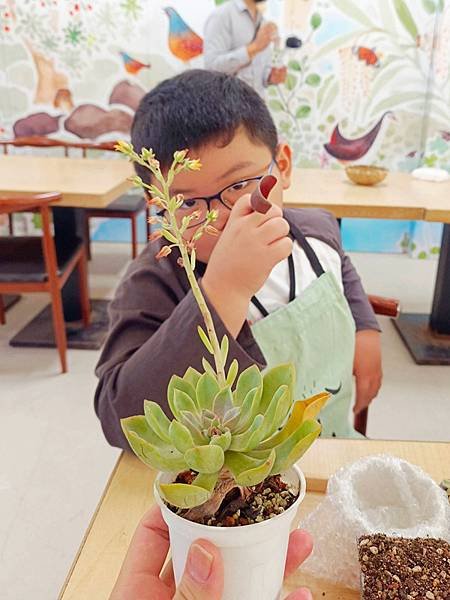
(131, 65)
(345, 149)
(367, 55)
(184, 43)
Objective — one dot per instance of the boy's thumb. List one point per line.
(242, 207)
(203, 575)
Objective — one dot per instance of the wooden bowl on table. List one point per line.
(365, 174)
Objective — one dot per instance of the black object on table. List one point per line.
(427, 337)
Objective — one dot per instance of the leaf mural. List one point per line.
(352, 10)
(406, 18)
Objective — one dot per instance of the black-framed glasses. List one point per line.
(228, 197)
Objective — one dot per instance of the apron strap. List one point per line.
(295, 234)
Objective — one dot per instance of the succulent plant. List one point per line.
(251, 430)
(230, 429)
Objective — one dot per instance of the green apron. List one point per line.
(316, 332)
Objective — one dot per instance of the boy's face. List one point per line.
(224, 168)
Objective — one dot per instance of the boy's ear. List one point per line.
(284, 163)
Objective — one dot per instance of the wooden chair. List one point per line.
(127, 206)
(388, 307)
(32, 264)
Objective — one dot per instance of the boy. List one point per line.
(279, 284)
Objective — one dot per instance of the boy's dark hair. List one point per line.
(196, 108)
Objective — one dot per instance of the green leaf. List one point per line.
(394, 101)
(182, 402)
(223, 440)
(248, 440)
(292, 449)
(275, 378)
(179, 384)
(406, 18)
(224, 346)
(316, 21)
(223, 402)
(248, 380)
(205, 459)
(276, 105)
(249, 409)
(277, 411)
(163, 457)
(294, 65)
(183, 495)
(191, 422)
(206, 481)
(207, 390)
(303, 111)
(205, 340)
(248, 473)
(192, 376)
(291, 82)
(232, 372)
(181, 437)
(169, 236)
(157, 420)
(429, 6)
(208, 368)
(435, 250)
(352, 10)
(313, 80)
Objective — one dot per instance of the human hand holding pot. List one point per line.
(141, 577)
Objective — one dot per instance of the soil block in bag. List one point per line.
(404, 568)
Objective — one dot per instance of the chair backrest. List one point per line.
(45, 142)
(12, 204)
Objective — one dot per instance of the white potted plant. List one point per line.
(227, 459)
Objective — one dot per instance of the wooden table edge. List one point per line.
(91, 523)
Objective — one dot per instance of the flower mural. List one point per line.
(370, 82)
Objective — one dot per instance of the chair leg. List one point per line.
(11, 224)
(84, 289)
(87, 236)
(134, 242)
(2, 311)
(147, 217)
(360, 423)
(59, 327)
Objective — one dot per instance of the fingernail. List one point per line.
(199, 563)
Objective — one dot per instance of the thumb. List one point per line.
(241, 208)
(203, 576)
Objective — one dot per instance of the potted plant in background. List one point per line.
(227, 459)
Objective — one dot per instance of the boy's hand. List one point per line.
(367, 368)
(250, 245)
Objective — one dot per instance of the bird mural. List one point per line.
(184, 43)
(345, 149)
(367, 55)
(132, 65)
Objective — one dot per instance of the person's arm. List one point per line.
(153, 335)
(217, 47)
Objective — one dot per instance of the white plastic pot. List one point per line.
(254, 555)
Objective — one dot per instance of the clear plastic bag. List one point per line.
(376, 494)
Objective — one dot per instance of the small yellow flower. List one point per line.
(180, 155)
(193, 165)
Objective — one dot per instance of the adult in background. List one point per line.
(238, 41)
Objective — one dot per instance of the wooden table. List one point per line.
(83, 183)
(400, 196)
(129, 493)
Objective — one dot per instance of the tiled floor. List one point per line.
(54, 462)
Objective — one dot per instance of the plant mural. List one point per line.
(370, 82)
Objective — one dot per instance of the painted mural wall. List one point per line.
(369, 84)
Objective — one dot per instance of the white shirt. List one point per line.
(275, 292)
